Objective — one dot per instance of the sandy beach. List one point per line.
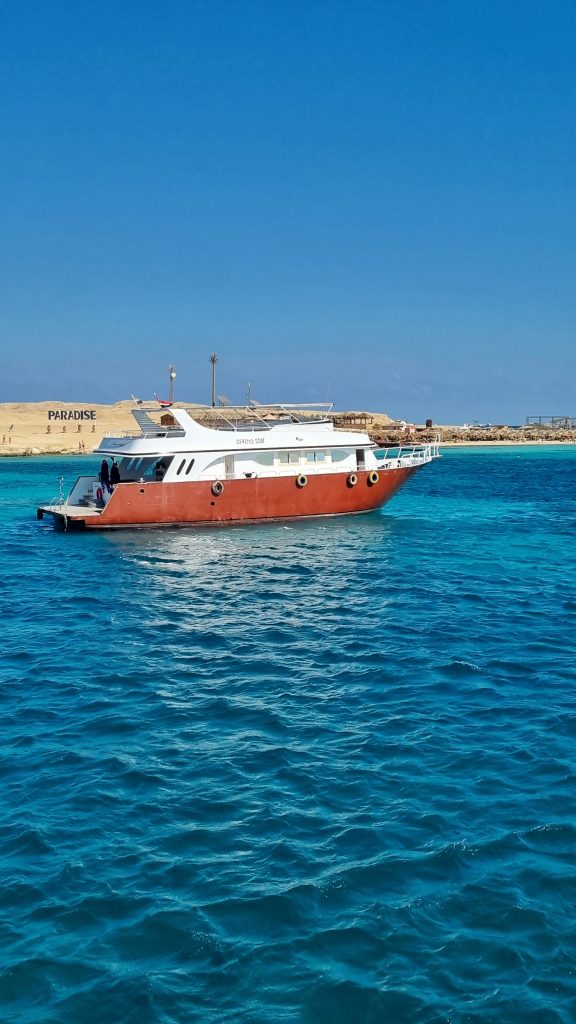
(71, 428)
(42, 428)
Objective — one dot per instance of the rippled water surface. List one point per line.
(321, 772)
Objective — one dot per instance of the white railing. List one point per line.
(59, 500)
(407, 455)
(79, 489)
(394, 457)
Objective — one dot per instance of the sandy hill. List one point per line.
(35, 428)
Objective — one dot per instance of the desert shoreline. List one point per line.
(77, 428)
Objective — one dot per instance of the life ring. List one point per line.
(217, 488)
(301, 480)
(373, 477)
(352, 480)
(99, 494)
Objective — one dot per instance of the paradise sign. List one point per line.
(71, 414)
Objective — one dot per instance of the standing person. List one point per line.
(105, 475)
(114, 473)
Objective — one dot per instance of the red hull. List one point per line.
(249, 500)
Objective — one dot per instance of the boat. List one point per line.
(240, 465)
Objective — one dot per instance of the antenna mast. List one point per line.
(213, 360)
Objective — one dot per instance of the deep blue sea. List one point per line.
(313, 773)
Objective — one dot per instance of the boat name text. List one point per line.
(249, 440)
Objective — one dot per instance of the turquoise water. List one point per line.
(321, 772)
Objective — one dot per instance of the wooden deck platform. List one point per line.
(67, 511)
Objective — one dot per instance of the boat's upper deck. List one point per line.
(152, 419)
(204, 428)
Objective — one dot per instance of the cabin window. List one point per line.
(189, 466)
(289, 458)
(338, 455)
(161, 467)
(315, 457)
(136, 468)
(264, 458)
(133, 466)
(180, 467)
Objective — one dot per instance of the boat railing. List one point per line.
(231, 417)
(159, 432)
(413, 454)
(259, 417)
(80, 487)
(59, 499)
(394, 457)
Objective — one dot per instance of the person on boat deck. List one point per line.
(114, 473)
(160, 470)
(105, 475)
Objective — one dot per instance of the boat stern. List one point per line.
(85, 501)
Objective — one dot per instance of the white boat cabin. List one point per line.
(179, 449)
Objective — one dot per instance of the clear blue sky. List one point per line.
(372, 202)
